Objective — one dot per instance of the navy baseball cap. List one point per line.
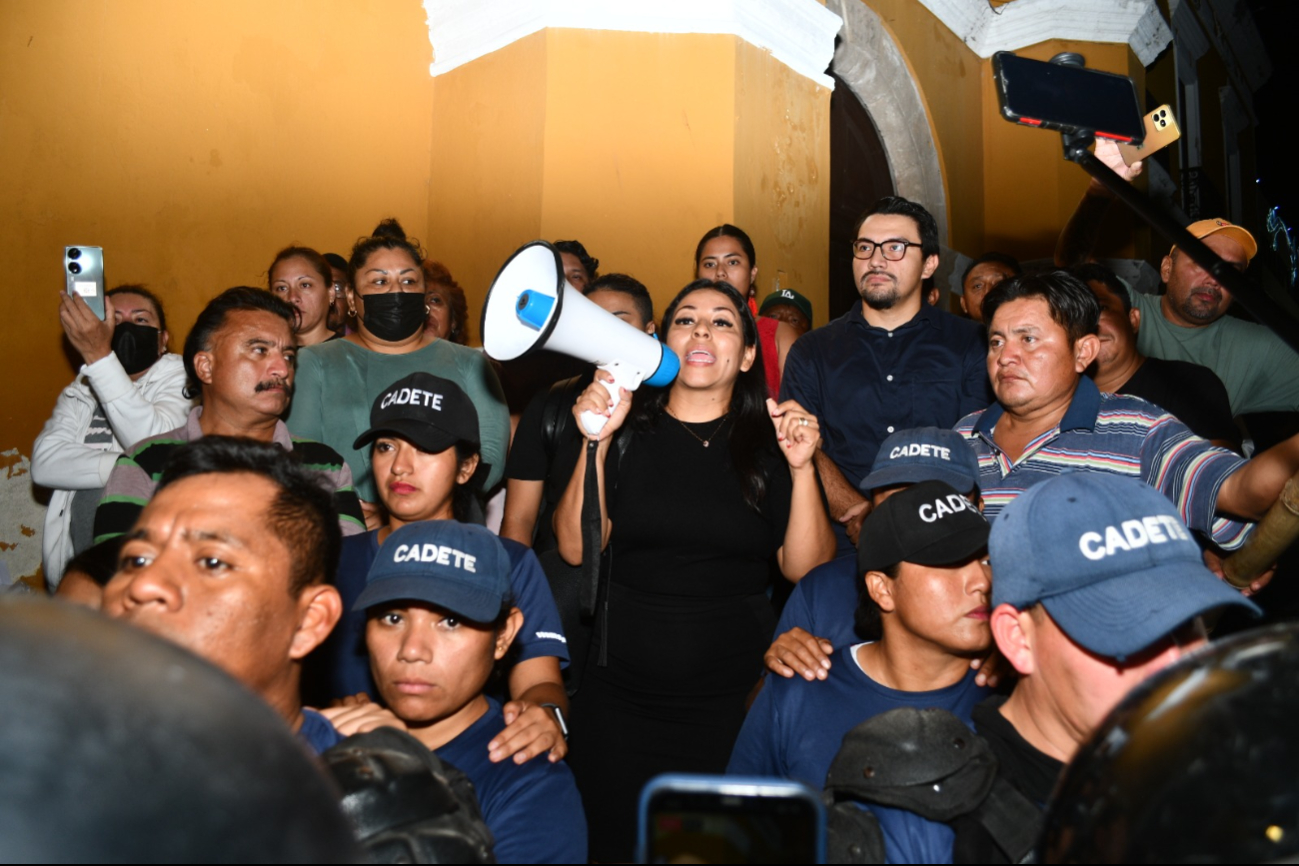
(929, 523)
(923, 454)
(1108, 557)
(427, 410)
(457, 566)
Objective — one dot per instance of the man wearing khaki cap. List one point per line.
(1187, 322)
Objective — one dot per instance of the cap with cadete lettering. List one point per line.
(461, 567)
(1108, 557)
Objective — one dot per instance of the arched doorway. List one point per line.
(859, 175)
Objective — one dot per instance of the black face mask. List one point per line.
(136, 346)
(394, 316)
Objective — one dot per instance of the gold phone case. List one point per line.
(1161, 131)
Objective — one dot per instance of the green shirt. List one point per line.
(338, 381)
(1260, 371)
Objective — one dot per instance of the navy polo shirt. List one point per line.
(863, 383)
(345, 662)
(796, 727)
(532, 809)
(318, 732)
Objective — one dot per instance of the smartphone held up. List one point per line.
(83, 269)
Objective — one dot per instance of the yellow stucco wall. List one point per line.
(190, 140)
(782, 175)
(635, 144)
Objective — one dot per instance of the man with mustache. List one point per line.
(894, 363)
(239, 357)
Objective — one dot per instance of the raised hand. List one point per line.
(797, 431)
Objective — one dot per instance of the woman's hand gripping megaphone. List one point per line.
(603, 406)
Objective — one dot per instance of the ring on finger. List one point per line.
(802, 422)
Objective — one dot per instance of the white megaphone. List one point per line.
(531, 305)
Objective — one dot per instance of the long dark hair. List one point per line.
(750, 434)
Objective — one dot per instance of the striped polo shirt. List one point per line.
(136, 474)
(1117, 434)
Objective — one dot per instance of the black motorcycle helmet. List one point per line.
(116, 746)
(1200, 763)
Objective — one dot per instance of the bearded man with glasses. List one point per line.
(892, 364)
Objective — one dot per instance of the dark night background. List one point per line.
(1275, 105)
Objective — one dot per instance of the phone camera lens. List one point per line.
(74, 253)
(74, 267)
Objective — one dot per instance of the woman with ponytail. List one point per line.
(337, 381)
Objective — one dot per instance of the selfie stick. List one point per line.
(1259, 304)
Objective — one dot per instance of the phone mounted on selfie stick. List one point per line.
(1085, 103)
(531, 305)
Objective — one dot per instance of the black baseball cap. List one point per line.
(428, 411)
(929, 524)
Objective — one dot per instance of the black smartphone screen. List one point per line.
(1068, 98)
(713, 827)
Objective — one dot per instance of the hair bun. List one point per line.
(391, 229)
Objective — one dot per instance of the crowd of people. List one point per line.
(1013, 514)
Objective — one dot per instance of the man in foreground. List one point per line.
(1097, 584)
(233, 559)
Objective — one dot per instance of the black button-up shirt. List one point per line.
(865, 383)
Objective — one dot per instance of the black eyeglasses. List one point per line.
(894, 249)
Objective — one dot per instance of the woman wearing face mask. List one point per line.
(697, 496)
(338, 380)
(128, 389)
(300, 276)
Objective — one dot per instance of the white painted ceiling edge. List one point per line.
(798, 33)
(1027, 22)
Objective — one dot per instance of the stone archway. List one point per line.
(869, 62)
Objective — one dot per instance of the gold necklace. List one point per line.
(711, 436)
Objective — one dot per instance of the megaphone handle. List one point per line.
(595, 423)
(623, 377)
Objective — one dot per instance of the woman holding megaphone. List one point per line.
(705, 482)
(338, 380)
